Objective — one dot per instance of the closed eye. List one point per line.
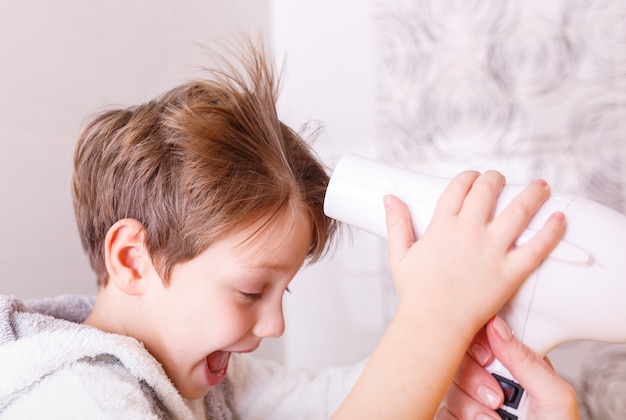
(254, 297)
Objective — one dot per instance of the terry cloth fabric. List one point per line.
(51, 366)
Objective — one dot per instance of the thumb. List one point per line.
(530, 370)
(400, 235)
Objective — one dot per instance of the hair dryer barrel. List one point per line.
(357, 187)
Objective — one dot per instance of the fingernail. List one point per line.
(481, 354)
(502, 329)
(387, 201)
(559, 216)
(488, 397)
(541, 182)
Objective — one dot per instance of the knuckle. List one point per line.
(465, 178)
(490, 182)
(486, 186)
(526, 356)
(519, 210)
(496, 176)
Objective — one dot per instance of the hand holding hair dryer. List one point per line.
(577, 293)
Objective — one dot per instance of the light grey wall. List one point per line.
(60, 62)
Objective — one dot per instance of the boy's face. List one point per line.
(225, 300)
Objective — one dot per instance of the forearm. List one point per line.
(408, 373)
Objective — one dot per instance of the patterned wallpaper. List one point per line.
(532, 88)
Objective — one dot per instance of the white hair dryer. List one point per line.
(577, 293)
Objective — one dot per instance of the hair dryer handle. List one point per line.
(515, 397)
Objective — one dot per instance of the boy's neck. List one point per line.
(109, 312)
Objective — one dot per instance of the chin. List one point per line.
(193, 393)
(192, 386)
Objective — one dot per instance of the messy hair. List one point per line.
(202, 161)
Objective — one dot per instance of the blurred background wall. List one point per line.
(61, 61)
(531, 88)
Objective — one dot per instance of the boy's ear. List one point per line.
(127, 260)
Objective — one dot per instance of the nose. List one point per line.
(271, 323)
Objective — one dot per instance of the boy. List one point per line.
(196, 210)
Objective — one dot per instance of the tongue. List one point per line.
(218, 362)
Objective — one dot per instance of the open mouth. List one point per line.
(217, 366)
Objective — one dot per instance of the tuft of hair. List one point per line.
(205, 159)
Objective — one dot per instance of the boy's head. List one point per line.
(204, 160)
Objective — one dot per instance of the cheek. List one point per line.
(225, 322)
(237, 318)
(190, 338)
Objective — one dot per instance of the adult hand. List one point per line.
(475, 394)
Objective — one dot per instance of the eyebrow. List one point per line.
(268, 265)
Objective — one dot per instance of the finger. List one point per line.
(459, 405)
(512, 221)
(400, 234)
(476, 382)
(480, 202)
(479, 349)
(444, 414)
(526, 366)
(452, 198)
(526, 258)
(550, 396)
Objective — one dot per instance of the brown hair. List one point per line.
(194, 165)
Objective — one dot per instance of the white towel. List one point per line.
(51, 366)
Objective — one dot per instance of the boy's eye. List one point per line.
(253, 296)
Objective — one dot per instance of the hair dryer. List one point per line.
(577, 293)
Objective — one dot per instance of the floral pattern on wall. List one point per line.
(531, 88)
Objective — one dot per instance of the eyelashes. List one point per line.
(256, 297)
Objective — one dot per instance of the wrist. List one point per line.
(436, 320)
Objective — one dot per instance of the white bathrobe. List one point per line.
(53, 367)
